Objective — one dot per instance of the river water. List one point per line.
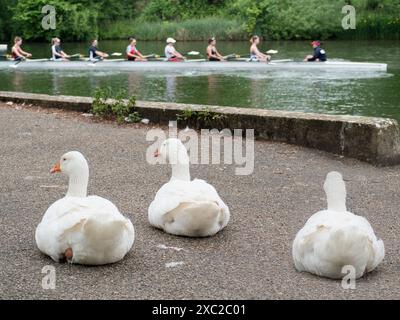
(333, 92)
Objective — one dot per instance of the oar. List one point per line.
(239, 59)
(103, 60)
(156, 59)
(77, 55)
(114, 60)
(195, 60)
(271, 52)
(119, 54)
(283, 60)
(153, 55)
(36, 60)
(232, 55)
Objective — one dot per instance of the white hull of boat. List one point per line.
(191, 65)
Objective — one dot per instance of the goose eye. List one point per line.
(64, 159)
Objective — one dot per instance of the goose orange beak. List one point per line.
(157, 153)
(56, 168)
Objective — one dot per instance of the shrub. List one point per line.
(204, 118)
(113, 106)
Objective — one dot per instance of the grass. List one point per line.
(370, 25)
(189, 30)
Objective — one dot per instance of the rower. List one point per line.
(319, 53)
(133, 54)
(255, 54)
(212, 52)
(17, 53)
(56, 51)
(95, 53)
(170, 53)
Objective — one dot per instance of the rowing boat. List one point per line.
(193, 65)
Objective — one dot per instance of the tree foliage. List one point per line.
(291, 19)
(274, 19)
(74, 21)
(182, 9)
(306, 19)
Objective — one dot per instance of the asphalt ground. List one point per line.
(250, 259)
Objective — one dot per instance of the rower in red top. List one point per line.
(17, 53)
(133, 54)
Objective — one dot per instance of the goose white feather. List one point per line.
(184, 207)
(91, 228)
(334, 238)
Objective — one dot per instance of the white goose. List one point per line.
(183, 207)
(334, 238)
(81, 229)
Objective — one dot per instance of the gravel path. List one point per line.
(250, 259)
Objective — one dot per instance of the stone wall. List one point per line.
(375, 140)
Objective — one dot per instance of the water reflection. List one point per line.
(170, 87)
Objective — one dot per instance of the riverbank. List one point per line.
(250, 259)
(375, 140)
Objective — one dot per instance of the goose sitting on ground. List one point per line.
(183, 207)
(81, 229)
(334, 238)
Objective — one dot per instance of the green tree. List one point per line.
(290, 19)
(274, 19)
(75, 21)
(5, 19)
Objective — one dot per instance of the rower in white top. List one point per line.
(56, 52)
(170, 53)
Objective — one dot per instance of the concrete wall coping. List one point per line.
(371, 139)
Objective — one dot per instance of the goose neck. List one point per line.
(180, 171)
(78, 184)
